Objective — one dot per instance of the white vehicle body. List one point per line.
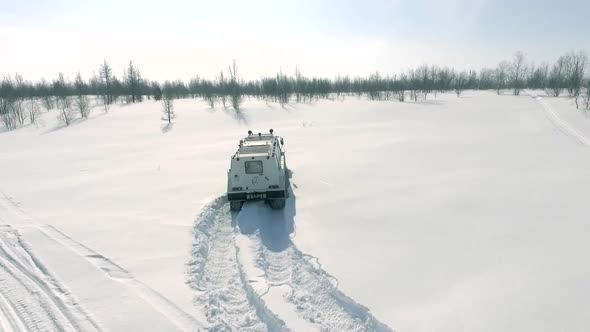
(258, 171)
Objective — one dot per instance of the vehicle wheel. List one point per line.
(235, 205)
(287, 186)
(277, 204)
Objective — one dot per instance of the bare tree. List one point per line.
(414, 82)
(106, 75)
(81, 97)
(210, 99)
(66, 115)
(299, 85)
(168, 108)
(282, 88)
(425, 80)
(576, 68)
(19, 111)
(556, 77)
(435, 79)
(517, 72)
(6, 113)
(18, 108)
(221, 88)
(401, 87)
(82, 107)
(117, 89)
(133, 81)
(19, 86)
(43, 90)
(374, 86)
(156, 92)
(30, 105)
(80, 85)
(234, 87)
(208, 93)
(48, 102)
(586, 98)
(461, 81)
(34, 111)
(538, 77)
(401, 95)
(60, 89)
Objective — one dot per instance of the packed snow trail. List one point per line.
(565, 127)
(230, 303)
(30, 300)
(215, 264)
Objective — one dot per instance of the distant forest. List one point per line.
(20, 99)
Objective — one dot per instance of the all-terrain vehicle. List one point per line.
(258, 171)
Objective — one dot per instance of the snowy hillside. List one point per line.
(452, 214)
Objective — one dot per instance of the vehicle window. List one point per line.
(254, 167)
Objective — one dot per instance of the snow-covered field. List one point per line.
(452, 214)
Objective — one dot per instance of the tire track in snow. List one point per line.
(565, 127)
(160, 303)
(30, 299)
(11, 211)
(10, 320)
(230, 303)
(314, 293)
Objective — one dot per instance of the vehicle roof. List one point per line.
(256, 145)
(250, 150)
(259, 137)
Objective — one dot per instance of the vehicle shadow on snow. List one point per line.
(275, 227)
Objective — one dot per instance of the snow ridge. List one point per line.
(214, 270)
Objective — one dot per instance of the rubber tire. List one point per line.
(277, 204)
(235, 205)
(287, 186)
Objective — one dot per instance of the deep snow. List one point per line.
(454, 214)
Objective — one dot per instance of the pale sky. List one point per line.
(175, 39)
